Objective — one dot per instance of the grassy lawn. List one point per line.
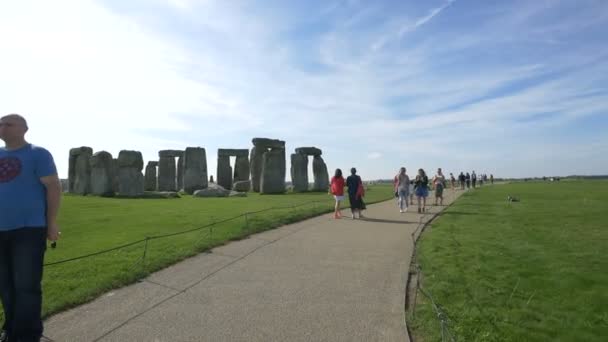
(534, 270)
(91, 224)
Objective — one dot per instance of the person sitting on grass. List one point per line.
(337, 189)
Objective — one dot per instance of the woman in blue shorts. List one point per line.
(421, 185)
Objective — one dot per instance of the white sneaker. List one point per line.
(401, 211)
(404, 210)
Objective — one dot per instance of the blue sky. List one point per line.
(513, 88)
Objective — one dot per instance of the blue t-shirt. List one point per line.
(22, 194)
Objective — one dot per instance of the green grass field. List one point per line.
(91, 224)
(534, 270)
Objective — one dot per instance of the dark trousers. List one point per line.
(21, 258)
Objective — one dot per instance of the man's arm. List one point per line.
(53, 198)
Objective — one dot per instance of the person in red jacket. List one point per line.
(337, 189)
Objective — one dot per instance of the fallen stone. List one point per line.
(242, 186)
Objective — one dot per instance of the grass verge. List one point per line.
(533, 270)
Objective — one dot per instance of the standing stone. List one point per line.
(102, 177)
(79, 170)
(299, 172)
(261, 147)
(150, 176)
(211, 179)
(180, 172)
(65, 185)
(166, 171)
(273, 172)
(115, 175)
(195, 169)
(130, 178)
(224, 172)
(319, 170)
(241, 168)
(256, 159)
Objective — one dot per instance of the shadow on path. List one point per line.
(371, 219)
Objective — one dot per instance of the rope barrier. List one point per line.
(155, 237)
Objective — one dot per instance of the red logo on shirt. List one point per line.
(10, 167)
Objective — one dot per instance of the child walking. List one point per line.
(337, 189)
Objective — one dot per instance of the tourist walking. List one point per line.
(473, 179)
(461, 179)
(421, 186)
(452, 182)
(356, 192)
(336, 188)
(30, 193)
(411, 192)
(403, 189)
(467, 178)
(439, 185)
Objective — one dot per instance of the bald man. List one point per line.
(29, 200)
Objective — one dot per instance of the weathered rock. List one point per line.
(195, 169)
(102, 176)
(256, 160)
(273, 172)
(319, 170)
(166, 172)
(241, 168)
(130, 178)
(150, 176)
(180, 172)
(299, 172)
(268, 143)
(79, 170)
(161, 194)
(224, 172)
(228, 152)
(309, 151)
(115, 175)
(242, 186)
(170, 153)
(237, 194)
(213, 190)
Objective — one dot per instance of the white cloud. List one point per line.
(230, 71)
(96, 79)
(374, 155)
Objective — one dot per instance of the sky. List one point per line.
(510, 88)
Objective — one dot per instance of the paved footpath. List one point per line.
(316, 280)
